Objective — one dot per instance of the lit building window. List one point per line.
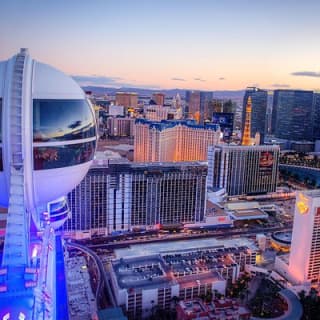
(53, 157)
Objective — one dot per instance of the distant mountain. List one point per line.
(139, 91)
(222, 94)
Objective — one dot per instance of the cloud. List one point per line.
(116, 82)
(199, 79)
(178, 79)
(95, 80)
(222, 78)
(306, 74)
(279, 85)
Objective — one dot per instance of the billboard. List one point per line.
(266, 163)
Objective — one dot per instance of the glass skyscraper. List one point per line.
(259, 100)
(292, 114)
(198, 102)
(243, 170)
(316, 116)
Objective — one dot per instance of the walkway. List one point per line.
(102, 273)
(61, 289)
(294, 311)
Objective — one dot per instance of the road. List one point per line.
(176, 237)
(102, 273)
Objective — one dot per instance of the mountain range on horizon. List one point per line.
(222, 94)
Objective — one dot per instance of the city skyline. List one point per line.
(170, 212)
(204, 45)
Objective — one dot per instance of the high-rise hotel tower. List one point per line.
(117, 197)
(171, 141)
(304, 261)
(243, 170)
(259, 100)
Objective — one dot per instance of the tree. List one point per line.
(311, 304)
(175, 300)
(266, 298)
(238, 289)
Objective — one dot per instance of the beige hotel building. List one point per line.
(171, 141)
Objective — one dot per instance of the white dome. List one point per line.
(50, 83)
(58, 131)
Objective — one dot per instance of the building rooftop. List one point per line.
(221, 309)
(199, 279)
(240, 205)
(128, 93)
(193, 306)
(193, 266)
(200, 261)
(154, 271)
(247, 214)
(82, 302)
(245, 210)
(124, 163)
(181, 246)
(247, 148)
(214, 210)
(285, 258)
(282, 236)
(141, 272)
(166, 124)
(312, 193)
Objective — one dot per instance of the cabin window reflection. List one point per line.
(61, 120)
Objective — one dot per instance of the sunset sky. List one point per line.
(194, 44)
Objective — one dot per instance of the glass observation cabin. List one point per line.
(64, 133)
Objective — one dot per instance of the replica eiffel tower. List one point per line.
(246, 136)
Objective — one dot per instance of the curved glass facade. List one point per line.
(53, 157)
(59, 217)
(61, 120)
(58, 207)
(58, 211)
(0, 120)
(1, 163)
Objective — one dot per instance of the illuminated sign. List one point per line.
(266, 163)
(302, 204)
